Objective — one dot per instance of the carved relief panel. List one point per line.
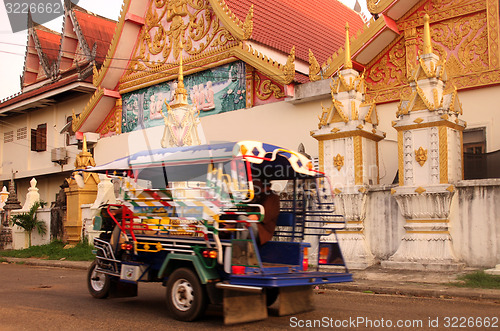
(463, 33)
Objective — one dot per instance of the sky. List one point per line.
(13, 45)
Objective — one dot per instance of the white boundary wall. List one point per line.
(474, 222)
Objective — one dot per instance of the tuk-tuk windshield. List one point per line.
(228, 178)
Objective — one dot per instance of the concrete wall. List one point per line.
(29, 163)
(474, 222)
(20, 238)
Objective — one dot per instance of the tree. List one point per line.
(29, 222)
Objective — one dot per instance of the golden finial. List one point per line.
(180, 91)
(348, 62)
(427, 36)
(84, 147)
(181, 73)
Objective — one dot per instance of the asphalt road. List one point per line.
(45, 298)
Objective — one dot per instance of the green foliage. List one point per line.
(55, 251)
(478, 279)
(29, 222)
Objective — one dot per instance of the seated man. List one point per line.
(271, 202)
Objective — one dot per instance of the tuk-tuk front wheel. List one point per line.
(97, 282)
(186, 298)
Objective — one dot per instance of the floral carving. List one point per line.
(421, 156)
(338, 161)
(166, 22)
(265, 88)
(461, 37)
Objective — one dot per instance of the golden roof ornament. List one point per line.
(85, 158)
(427, 36)
(180, 93)
(348, 62)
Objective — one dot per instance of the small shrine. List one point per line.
(430, 163)
(78, 193)
(348, 152)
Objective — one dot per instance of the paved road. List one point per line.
(45, 298)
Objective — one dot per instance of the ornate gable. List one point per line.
(41, 54)
(166, 22)
(212, 35)
(465, 37)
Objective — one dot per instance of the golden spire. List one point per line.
(427, 36)
(181, 73)
(84, 147)
(180, 91)
(348, 62)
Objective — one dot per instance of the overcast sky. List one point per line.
(13, 45)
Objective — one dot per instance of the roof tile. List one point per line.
(281, 24)
(96, 29)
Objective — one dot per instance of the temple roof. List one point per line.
(49, 42)
(96, 30)
(46, 50)
(282, 24)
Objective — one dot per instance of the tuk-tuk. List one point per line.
(193, 219)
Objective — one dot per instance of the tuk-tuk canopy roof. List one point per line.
(257, 153)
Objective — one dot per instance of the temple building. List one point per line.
(399, 111)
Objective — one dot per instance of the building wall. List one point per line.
(48, 186)
(28, 164)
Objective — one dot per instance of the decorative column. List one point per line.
(430, 161)
(77, 195)
(348, 151)
(12, 203)
(4, 222)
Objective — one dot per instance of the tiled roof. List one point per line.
(49, 86)
(318, 25)
(49, 41)
(96, 29)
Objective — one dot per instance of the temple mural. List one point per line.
(212, 91)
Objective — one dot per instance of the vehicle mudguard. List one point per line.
(171, 261)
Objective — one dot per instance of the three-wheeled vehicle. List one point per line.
(190, 218)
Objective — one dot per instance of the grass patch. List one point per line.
(478, 279)
(54, 251)
(3, 260)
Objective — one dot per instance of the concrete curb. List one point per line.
(50, 263)
(427, 290)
